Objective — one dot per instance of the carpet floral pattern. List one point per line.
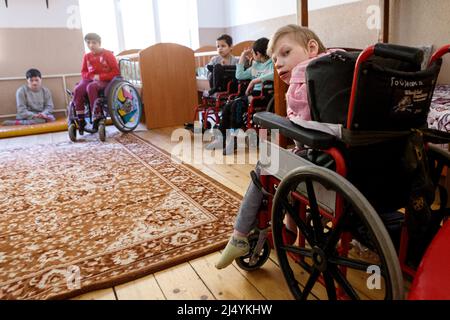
(86, 216)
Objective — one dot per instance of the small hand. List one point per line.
(247, 52)
(96, 77)
(245, 55)
(43, 116)
(251, 85)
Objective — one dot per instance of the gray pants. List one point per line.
(246, 217)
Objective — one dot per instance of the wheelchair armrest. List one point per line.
(222, 95)
(267, 89)
(242, 86)
(232, 86)
(311, 138)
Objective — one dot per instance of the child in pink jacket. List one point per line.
(292, 48)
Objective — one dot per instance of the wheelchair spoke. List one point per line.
(343, 282)
(310, 284)
(297, 250)
(292, 282)
(299, 222)
(315, 213)
(353, 264)
(335, 235)
(329, 284)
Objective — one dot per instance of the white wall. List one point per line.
(320, 4)
(230, 13)
(211, 13)
(34, 14)
(239, 12)
(178, 22)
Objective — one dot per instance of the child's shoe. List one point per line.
(230, 144)
(236, 247)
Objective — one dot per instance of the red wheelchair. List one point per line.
(208, 111)
(210, 108)
(361, 199)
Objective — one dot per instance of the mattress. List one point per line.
(439, 116)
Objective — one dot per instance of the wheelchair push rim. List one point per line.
(125, 106)
(324, 246)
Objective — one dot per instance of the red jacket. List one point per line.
(104, 64)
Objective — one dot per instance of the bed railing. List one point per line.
(130, 68)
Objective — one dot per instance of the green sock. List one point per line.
(236, 247)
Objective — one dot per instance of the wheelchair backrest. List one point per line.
(390, 93)
(392, 99)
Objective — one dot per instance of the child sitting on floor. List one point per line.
(99, 67)
(34, 102)
(292, 49)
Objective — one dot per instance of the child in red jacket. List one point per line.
(99, 68)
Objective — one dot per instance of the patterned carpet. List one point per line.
(86, 216)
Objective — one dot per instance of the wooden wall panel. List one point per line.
(239, 47)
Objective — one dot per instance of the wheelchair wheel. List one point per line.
(324, 246)
(244, 262)
(72, 132)
(102, 131)
(125, 106)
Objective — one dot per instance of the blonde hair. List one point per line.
(300, 34)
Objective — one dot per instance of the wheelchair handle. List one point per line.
(439, 54)
(394, 51)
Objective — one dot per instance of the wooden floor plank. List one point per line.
(141, 289)
(182, 283)
(107, 294)
(58, 137)
(265, 278)
(198, 279)
(225, 284)
(45, 138)
(318, 291)
(20, 142)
